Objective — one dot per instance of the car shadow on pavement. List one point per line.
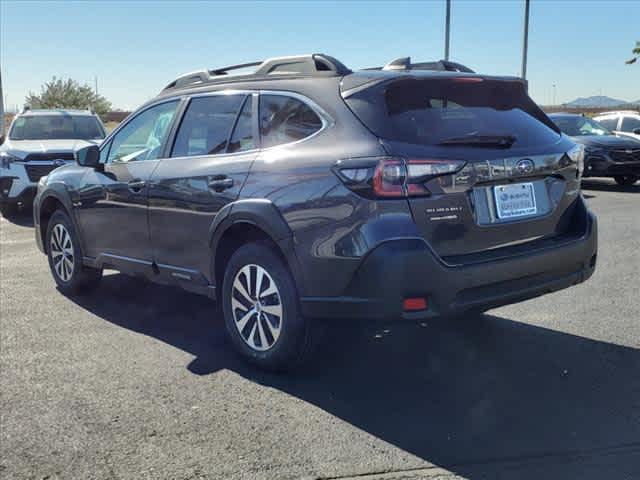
(459, 394)
(23, 218)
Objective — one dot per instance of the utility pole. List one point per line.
(447, 30)
(96, 82)
(1, 111)
(525, 39)
(554, 94)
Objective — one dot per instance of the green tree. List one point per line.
(636, 52)
(67, 93)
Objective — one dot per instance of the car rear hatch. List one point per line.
(484, 167)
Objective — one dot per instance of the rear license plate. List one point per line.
(516, 200)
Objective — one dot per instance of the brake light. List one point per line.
(389, 178)
(394, 177)
(576, 155)
(414, 304)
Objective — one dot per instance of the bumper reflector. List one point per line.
(414, 304)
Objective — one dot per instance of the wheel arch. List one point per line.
(51, 201)
(248, 221)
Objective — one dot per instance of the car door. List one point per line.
(213, 149)
(112, 201)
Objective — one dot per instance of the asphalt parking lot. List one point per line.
(138, 381)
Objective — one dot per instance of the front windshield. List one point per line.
(56, 127)
(580, 126)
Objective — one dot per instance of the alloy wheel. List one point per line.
(257, 307)
(61, 249)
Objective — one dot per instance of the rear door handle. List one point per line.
(136, 186)
(220, 183)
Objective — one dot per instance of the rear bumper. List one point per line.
(402, 268)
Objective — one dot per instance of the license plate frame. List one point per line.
(515, 200)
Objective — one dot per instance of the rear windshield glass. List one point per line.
(56, 127)
(429, 112)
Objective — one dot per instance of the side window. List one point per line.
(285, 119)
(242, 138)
(206, 125)
(142, 138)
(610, 123)
(629, 124)
(104, 152)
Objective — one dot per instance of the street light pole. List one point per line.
(525, 39)
(447, 30)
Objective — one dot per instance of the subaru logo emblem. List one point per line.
(525, 166)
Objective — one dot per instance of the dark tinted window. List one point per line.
(242, 138)
(609, 123)
(285, 119)
(56, 127)
(629, 124)
(206, 125)
(428, 112)
(579, 126)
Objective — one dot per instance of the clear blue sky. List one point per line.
(136, 48)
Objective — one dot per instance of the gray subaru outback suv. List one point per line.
(305, 190)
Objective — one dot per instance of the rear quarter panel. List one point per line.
(331, 226)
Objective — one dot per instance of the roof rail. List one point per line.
(312, 64)
(404, 64)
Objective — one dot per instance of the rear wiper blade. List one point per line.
(500, 141)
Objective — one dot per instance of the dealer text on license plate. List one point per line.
(516, 200)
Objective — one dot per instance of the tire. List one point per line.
(626, 180)
(8, 210)
(65, 257)
(275, 337)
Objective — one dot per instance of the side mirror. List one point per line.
(636, 131)
(88, 156)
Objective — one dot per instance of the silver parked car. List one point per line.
(39, 141)
(623, 122)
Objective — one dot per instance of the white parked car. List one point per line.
(39, 141)
(623, 122)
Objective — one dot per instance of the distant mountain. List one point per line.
(597, 101)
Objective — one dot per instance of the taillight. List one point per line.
(393, 177)
(576, 155)
(389, 178)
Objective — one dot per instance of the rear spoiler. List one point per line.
(352, 84)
